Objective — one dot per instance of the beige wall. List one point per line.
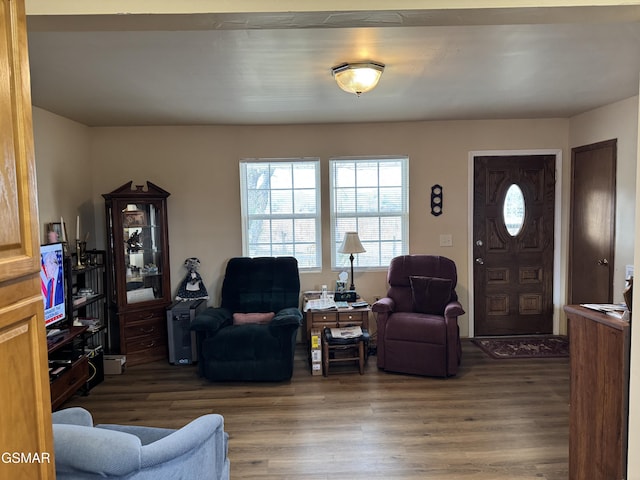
(63, 170)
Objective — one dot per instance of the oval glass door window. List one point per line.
(513, 210)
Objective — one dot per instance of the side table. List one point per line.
(341, 317)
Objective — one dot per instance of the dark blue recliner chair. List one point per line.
(252, 335)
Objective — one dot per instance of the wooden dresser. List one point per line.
(598, 418)
(145, 335)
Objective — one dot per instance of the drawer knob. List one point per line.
(147, 330)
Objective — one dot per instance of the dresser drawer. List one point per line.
(324, 317)
(353, 318)
(146, 328)
(148, 342)
(144, 315)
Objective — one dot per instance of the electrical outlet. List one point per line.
(628, 271)
(446, 240)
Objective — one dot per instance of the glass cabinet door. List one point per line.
(142, 251)
(140, 277)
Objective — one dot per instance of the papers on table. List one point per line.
(321, 304)
(329, 304)
(346, 332)
(617, 310)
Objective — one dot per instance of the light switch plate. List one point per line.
(446, 240)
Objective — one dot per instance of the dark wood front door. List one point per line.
(513, 222)
(592, 230)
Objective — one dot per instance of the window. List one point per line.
(280, 202)
(370, 196)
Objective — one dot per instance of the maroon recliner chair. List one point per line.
(418, 329)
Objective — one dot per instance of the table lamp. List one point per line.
(351, 244)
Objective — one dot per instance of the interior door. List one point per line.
(592, 231)
(25, 416)
(513, 222)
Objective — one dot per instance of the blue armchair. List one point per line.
(252, 335)
(84, 451)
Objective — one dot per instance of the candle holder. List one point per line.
(65, 249)
(81, 254)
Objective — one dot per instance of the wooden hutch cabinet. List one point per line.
(139, 277)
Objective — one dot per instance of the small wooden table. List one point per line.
(334, 352)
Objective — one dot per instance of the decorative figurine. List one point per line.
(192, 287)
(134, 243)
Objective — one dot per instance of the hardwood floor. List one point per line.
(498, 419)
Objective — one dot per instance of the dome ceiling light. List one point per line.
(357, 77)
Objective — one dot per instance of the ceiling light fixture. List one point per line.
(357, 77)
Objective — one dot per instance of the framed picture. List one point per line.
(133, 218)
(54, 232)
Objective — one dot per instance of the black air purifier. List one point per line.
(182, 341)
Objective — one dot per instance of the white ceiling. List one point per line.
(203, 69)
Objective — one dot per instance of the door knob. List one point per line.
(480, 261)
(603, 262)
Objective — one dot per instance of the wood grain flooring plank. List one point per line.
(498, 419)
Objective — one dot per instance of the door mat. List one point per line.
(524, 347)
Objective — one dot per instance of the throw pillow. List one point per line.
(246, 318)
(430, 294)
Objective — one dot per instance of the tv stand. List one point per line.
(69, 362)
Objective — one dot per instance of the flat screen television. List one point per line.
(52, 282)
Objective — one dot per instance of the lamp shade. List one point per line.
(351, 243)
(357, 77)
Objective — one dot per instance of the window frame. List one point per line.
(404, 213)
(317, 217)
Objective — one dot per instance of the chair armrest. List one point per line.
(453, 310)
(287, 316)
(166, 444)
(80, 449)
(211, 320)
(73, 416)
(147, 435)
(384, 305)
